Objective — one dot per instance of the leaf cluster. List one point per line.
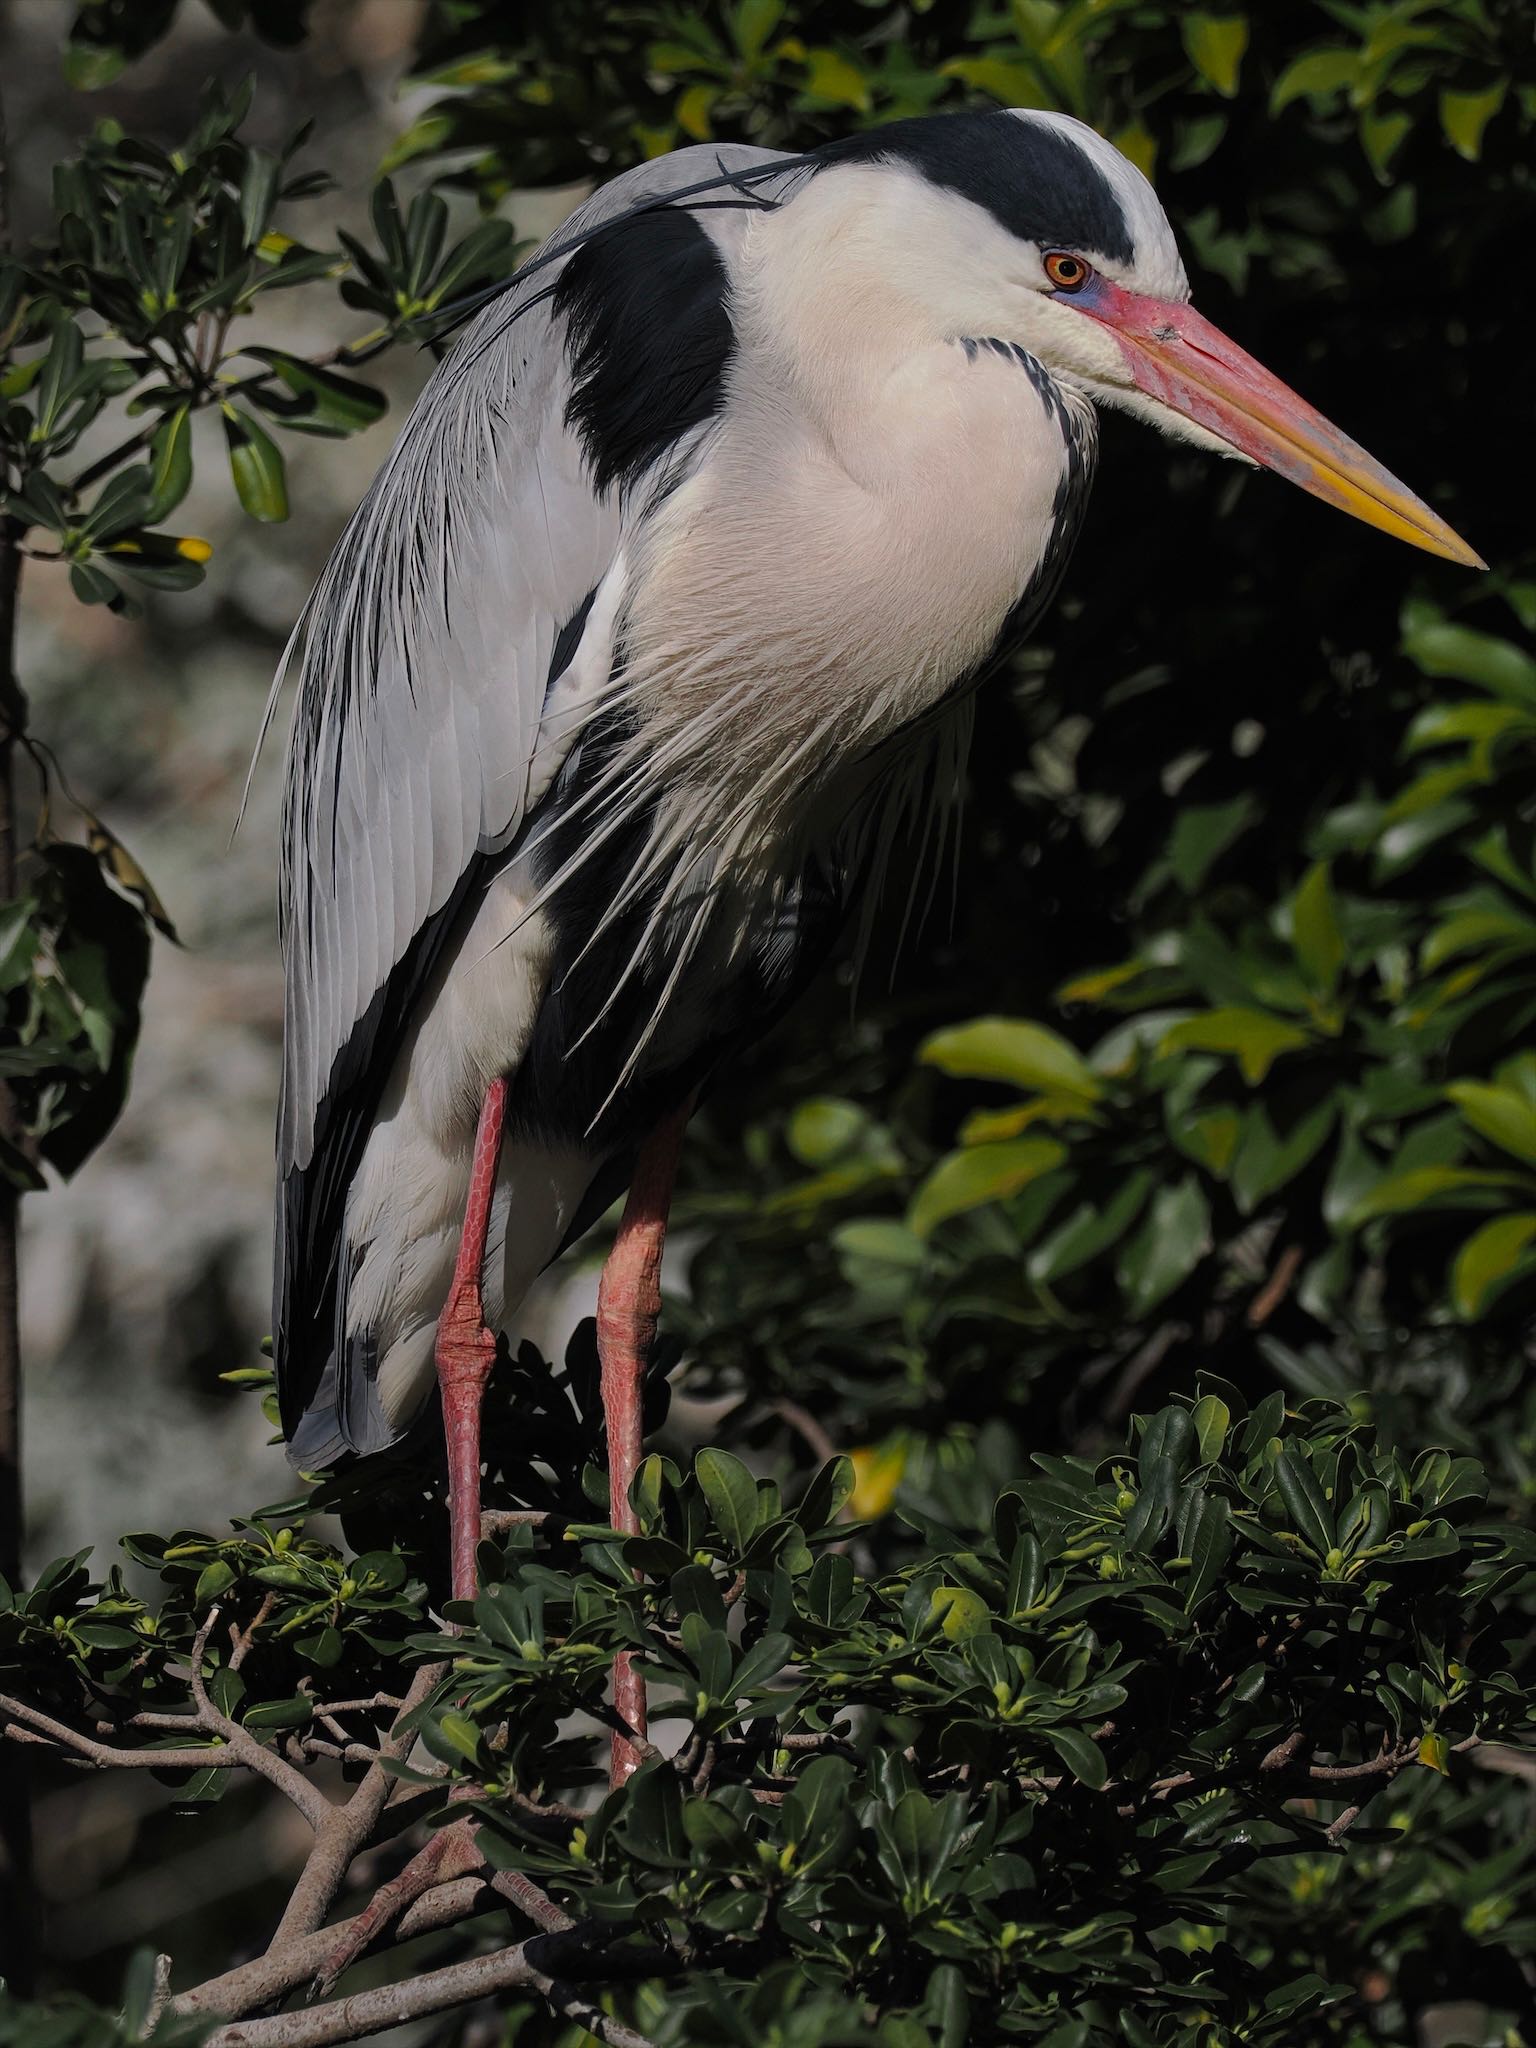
(995, 1776)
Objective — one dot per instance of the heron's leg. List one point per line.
(466, 1349)
(628, 1304)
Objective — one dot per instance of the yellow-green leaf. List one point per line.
(1014, 1050)
(1489, 1260)
(960, 1612)
(753, 22)
(1464, 116)
(877, 1470)
(983, 1173)
(1136, 141)
(1093, 988)
(1214, 44)
(1319, 74)
(1428, 1187)
(693, 111)
(1253, 1036)
(1382, 136)
(832, 77)
(1010, 83)
(1435, 1752)
(1499, 1112)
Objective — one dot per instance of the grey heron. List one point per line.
(663, 614)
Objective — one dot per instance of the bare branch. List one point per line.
(280, 1971)
(370, 2012)
(242, 1638)
(451, 1852)
(346, 1828)
(292, 1783)
(106, 1755)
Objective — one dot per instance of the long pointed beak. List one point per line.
(1180, 359)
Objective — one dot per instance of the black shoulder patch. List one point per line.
(1031, 178)
(650, 339)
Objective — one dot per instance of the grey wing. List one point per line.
(428, 648)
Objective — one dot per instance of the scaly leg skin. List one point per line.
(465, 1353)
(466, 1349)
(628, 1304)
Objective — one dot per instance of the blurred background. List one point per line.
(1250, 826)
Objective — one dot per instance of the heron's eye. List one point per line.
(1067, 273)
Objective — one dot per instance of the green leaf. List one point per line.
(1429, 1187)
(981, 1173)
(731, 1492)
(170, 465)
(1490, 1260)
(1081, 1755)
(1319, 74)
(258, 190)
(1215, 44)
(960, 1612)
(1254, 1036)
(1465, 115)
(753, 22)
(289, 1713)
(1501, 1113)
(825, 1129)
(1166, 1250)
(1012, 1049)
(830, 76)
(1201, 835)
(256, 464)
(1304, 1499)
(322, 401)
(1212, 1419)
(212, 1581)
(1209, 1543)
(1315, 930)
(461, 1734)
(1440, 648)
(1088, 1231)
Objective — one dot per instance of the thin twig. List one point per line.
(292, 1783)
(106, 1755)
(242, 1638)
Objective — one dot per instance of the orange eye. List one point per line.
(1067, 273)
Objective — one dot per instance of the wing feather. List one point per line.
(426, 657)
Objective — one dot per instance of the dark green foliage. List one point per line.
(1000, 1772)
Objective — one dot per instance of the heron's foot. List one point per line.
(452, 1852)
(465, 1354)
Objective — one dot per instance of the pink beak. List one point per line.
(1185, 363)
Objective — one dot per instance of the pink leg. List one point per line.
(466, 1349)
(628, 1304)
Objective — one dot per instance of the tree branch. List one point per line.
(291, 1782)
(105, 1755)
(344, 1829)
(280, 1971)
(506, 1969)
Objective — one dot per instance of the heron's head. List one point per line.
(1028, 227)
